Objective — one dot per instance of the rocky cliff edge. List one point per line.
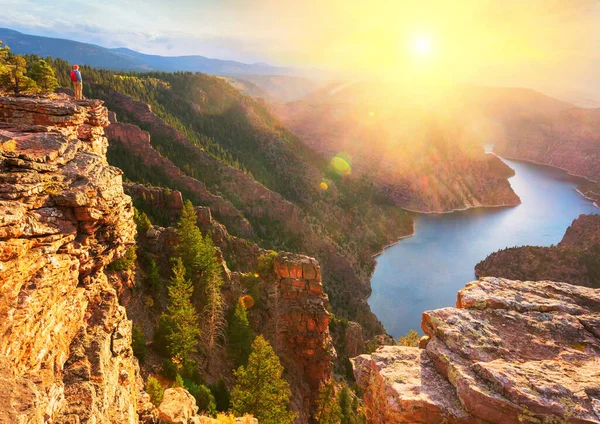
(65, 354)
(509, 352)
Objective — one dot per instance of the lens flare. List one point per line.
(341, 166)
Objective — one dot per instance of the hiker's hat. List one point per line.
(75, 66)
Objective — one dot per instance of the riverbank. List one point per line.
(427, 268)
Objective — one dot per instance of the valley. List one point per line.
(425, 271)
(178, 244)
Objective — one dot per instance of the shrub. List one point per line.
(125, 263)
(154, 390)
(138, 344)
(410, 339)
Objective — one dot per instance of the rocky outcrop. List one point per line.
(177, 406)
(300, 311)
(163, 199)
(575, 260)
(65, 353)
(509, 352)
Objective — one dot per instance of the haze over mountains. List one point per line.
(127, 59)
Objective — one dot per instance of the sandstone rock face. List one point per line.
(177, 407)
(170, 201)
(510, 352)
(301, 328)
(65, 353)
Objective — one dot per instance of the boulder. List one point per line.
(178, 406)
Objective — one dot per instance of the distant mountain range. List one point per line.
(126, 59)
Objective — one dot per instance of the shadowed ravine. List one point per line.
(425, 271)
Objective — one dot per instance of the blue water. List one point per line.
(426, 271)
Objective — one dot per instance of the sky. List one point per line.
(553, 45)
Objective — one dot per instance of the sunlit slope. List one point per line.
(423, 146)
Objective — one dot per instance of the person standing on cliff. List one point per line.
(77, 82)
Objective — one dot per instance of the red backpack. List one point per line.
(73, 76)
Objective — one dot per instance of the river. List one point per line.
(426, 271)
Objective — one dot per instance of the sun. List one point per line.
(422, 45)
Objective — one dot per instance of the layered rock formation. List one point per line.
(510, 352)
(576, 259)
(169, 201)
(301, 330)
(65, 351)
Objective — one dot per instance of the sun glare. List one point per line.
(422, 45)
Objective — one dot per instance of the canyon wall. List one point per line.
(568, 139)
(509, 352)
(575, 260)
(259, 205)
(64, 339)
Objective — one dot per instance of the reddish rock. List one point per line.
(177, 406)
(64, 337)
(510, 352)
(170, 201)
(302, 337)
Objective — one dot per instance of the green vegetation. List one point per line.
(142, 222)
(260, 389)
(138, 343)
(155, 390)
(25, 73)
(410, 339)
(222, 395)
(124, 263)
(349, 407)
(196, 252)
(178, 329)
(43, 75)
(239, 335)
(204, 398)
(328, 409)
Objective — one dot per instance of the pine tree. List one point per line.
(14, 78)
(412, 339)
(3, 57)
(180, 319)
(222, 395)
(239, 335)
(154, 390)
(43, 75)
(197, 252)
(213, 315)
(260, 389)
(328, 409)
(138, 344)
(191, 242)
(153, 275)
(349, 407)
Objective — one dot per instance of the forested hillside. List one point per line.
(227, 141)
